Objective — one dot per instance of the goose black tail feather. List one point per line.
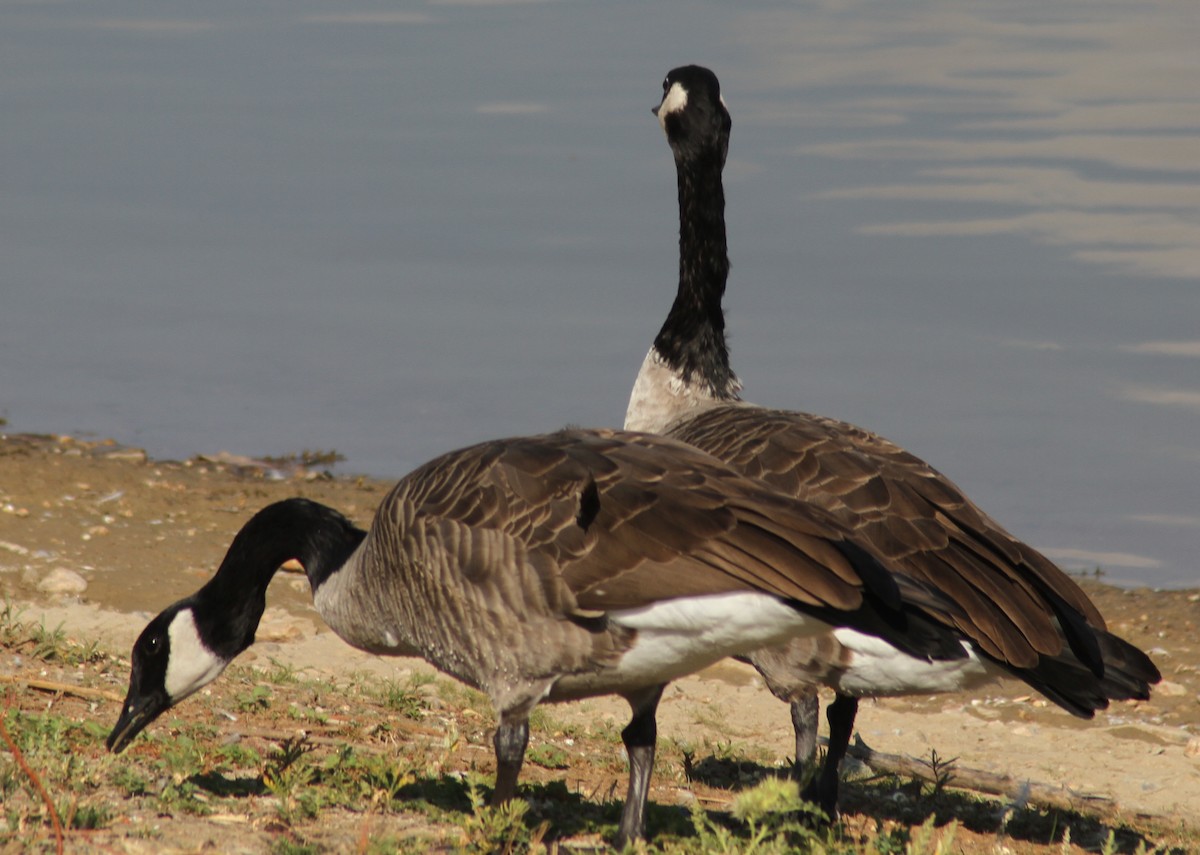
(1128, 674)
(1082, 637)
(907, 614)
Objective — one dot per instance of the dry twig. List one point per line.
(64, 688)
(1007, 786)
(37, 782)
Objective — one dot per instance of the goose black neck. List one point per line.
(692, 339)
(232, 603)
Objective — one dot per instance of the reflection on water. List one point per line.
(1081, 122)
(970, 226)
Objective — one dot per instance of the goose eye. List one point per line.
(666, 84)
(153, 644)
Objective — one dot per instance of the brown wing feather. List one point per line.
(910, 513)
(523, 544)
(671, 521)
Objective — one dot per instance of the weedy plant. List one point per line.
(501, 829)
(548, 756)
(280, 673)
(942, 771)
(403, 698)
(49, 645)
(52, 645)
(257, 698)
(287, 778)
(10, 623)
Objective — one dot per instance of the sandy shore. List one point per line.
(97, 538)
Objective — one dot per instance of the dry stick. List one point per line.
(37, 782)
(268, 733)
(985, 782)
(364, 835)
(65, 688)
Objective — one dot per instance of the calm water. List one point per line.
(264, 227)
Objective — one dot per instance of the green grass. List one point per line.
(376, 782)
(48, 645)
(254, 699)
(281, 674)
(548, 756)
(403, 698)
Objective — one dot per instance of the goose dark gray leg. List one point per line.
(510, 741)
(823, 790)
(805, 710)
(639, 737)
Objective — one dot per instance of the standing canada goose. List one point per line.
(550, 568)
(1023, 615)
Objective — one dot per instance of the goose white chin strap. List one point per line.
(191, 665)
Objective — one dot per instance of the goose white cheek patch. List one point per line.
(191, 665)
(674, 101)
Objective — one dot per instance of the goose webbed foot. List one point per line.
(639, 737)
(510, 742)
(823, 789)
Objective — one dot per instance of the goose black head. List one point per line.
(693, 113)
(188, 646)
(170, 661)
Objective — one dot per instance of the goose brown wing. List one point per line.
(1016, 603)
(617, 520)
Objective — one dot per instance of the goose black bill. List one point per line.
(135, 716)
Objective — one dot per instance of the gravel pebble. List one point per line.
(62, 581)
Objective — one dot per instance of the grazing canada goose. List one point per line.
(1023, 615)
(550, 568)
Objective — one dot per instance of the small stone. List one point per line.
(1192, 749)
(131, 455)
(278, 625)
(1168, 689)
(62, 581)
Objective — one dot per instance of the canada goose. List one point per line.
(549, 568)
(1023, 615)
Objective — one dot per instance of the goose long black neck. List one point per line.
(317, 536)
(692, 339)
